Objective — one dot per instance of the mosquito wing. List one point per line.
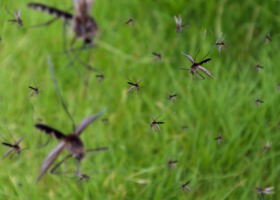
(189, 57)
(19, 140)
(50, 131)
(7, 153)
(87, 121)
(205, 71)
(50, 159)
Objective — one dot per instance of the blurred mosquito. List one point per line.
(267, 38)
(259, 102)
(184, 127)
(186, 186)
(130, 22)
(172, 163)
(219, 139)
(100, 77)
(172, 97)
(14, 148)
(258, 67)
(221, 45)
(105, 120)
(156, 124)
(83, 25)
(17, 19)
(278, 86)
(35, 90)
(133, 86)
(266, 147)
(178, 22)
(157, 56)
(262, 191)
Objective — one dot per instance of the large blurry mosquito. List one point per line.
(197, 66)
(17, 19)
(35, 90)
(262, 191)
(178, 22)
(15, 148)
(156, 124)
(83, 25)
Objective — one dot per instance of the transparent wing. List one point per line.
(19, 140)
(7, 153)
(50, 159)
(205, 71)
(87, 121)
(189, 57)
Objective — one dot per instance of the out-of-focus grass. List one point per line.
(135, 167)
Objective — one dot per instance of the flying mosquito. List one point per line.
(35, 90)
(258, 67)
(157, 56)
(219, 139)
(155, 124)
(262, 191)
(100, 77)
(259, 102)
(221, 45)
(172, 97)
(178, 22)
(134, 86)
(130, 22)
(267, 39)
(13, 147)
(82, 24)
(186, 186)
(17, 19)
(172, 163)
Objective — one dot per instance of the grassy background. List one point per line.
(135, 167)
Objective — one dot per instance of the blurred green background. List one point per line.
(136, 166)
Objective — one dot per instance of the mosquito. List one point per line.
(267, 39)
(130, 22)
(157, 56)
(35, 90)
(258, 67)
(266, 147)
(219, 139)
(262, 191)
(221, 45)
(278, 86)
(82, 24)
(100, 77)
(186, 186)
(178, 22)
(155, 124)
(259, 102)
(172, 97)
(13, 147)
(172, 163)
(17, 19)
(134, 86)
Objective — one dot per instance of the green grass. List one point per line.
(135, 167)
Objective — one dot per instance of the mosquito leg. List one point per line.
(46, 23)
(59, 163)
(201, 75)
(45, 144)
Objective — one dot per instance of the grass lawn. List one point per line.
(136, 164)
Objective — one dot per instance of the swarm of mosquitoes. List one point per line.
(85, 28)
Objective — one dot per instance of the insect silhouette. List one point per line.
(186, 186)
(17, 19)
(172, 97)
(266, 147)
(221, 45)
(100, 77)
(156, 124)
(172, 163)
(134, 86)
(13, 147)
(130, 22)
(258, 67)
(178, 22)
(157, 56)
(262, 191)
(267, 39)
(259, 102)
(35, 90)
(82, 24)
(219, 139)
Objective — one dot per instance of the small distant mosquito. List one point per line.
(155, 124)
(35, 90)
(278, 86)
(178, 22)
(17, 19)
(184, 127)
(172, 163)
(83, 25)
(172, 97)
(72, 142)
(157, 56)
(130, 22)
(134, 86)
(13, 147)
(266, 147)
(262, 191)
(100, 77)
(219, 139)
(267, 39)
(186, 186)
(259, 68)
(198, 66)
(221, 45)
(259, 102)
(105, 120)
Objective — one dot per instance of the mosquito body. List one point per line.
(221, 45)
(267, 39)
(186, 186)
(13, 147)
(178, 22)
(17, 19)
(196, 66)
(172, 163)
(72, 142)
(134, 86)
(130, 22)
(100, 77)
(258, 67)
(259, 102)
(35, 90)
(157, 56)
(82, 24)
(155, 124)
(219, 139)
(172, 97)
